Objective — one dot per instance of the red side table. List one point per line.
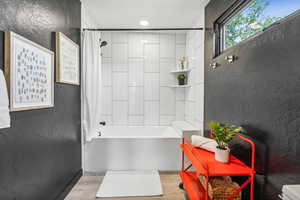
(205, 164)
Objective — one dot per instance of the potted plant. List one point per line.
(223, 134)
(181, 79)
(183, 63)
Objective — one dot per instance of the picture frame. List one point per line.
(67, 60)
(29, 72)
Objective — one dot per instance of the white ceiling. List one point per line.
(159, 13)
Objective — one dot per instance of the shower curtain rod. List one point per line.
(146, 29)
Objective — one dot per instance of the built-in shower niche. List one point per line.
(181, 72)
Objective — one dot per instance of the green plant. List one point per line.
(182, 62)
(223, 133)
(249, 22)
(181, 77)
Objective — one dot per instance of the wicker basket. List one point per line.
(220, 188)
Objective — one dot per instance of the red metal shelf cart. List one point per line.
(206, 165)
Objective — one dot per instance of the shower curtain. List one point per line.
(91, 83)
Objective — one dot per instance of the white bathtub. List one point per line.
(133, 148)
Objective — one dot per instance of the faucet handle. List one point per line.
(102, 123)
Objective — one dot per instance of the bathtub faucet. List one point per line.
(102, 123)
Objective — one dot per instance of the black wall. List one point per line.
(260, 91)
(41, 152)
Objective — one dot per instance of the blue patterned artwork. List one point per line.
(31, 74)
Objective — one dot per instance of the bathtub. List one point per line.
(133, 148)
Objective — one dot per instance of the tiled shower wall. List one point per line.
(136, 78)
(194, 104)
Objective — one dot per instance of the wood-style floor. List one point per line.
(88, 186)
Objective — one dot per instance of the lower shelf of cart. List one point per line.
(192, 186)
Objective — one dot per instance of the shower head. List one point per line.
(103, 44)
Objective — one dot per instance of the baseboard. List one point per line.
(69, 186)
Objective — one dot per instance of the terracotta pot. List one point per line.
(222, 155)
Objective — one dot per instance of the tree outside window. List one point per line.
(248, 22)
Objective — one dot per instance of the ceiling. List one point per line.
(159, 13)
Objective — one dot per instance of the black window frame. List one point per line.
(219, 24)
(236, 7)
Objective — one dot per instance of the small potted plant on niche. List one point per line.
(181, 79)
(223, 134)
(183, 63)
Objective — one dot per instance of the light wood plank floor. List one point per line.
(87, 188)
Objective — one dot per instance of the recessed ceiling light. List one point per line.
(144, 23)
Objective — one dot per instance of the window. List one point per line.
(248, 17)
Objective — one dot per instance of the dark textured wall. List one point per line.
(260, 91)
(41, 152)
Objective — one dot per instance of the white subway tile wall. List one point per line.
(180, 110)
(135, 45)
(106, 100)
(151, 116)
(107, 71)
(167, 46)
(194, 96)
(120, 113)
(136, 120)
(120, 86)
(165, 77)
(180, 94)
(166, 120)
(151, 57)
(167, 101)
(137, 79)
(120, 57)
(136, 72)
(136, 101)
(151, 86)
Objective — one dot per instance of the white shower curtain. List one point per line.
(91, 83)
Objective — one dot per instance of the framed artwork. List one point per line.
(67, 60)
(29, 72)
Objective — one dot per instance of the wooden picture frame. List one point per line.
(67, 60)
(29, 72)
